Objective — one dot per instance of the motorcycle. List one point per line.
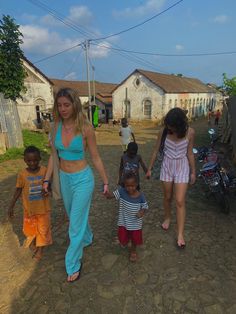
(217, 181)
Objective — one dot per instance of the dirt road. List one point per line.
(199, 279)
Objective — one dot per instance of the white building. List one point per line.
(38, 97)
(150, 95)
(102, 91)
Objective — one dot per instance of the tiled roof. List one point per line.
(104, 98)
(82, 87)
(171, 83)
(36, 69)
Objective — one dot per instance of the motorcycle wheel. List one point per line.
(223, 202)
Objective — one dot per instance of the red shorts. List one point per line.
(125, 235)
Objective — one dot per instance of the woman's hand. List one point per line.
(192, 178)
(45, 190)
(105, 189)
(148, 174)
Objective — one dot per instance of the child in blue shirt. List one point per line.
(132, 206)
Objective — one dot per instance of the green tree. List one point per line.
(229, 85)
(12, 73)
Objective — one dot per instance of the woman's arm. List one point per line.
(48, 174)
(190, 156)
(143, 165)
(93, 151)
(154, 154)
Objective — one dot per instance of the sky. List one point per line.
(171, 34)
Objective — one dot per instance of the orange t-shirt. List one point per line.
(34, 203)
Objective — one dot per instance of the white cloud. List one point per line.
(71, 76)
(221, 19)
(101, 51)
(40, 40)
(80, 15)
(50, 21)
(150, 6)
(179, 47)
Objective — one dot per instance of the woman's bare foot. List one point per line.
(73, 277)
(180, 242)
(166, 224)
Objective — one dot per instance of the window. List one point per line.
(170, 103)
(176, 102)
(137, 82)
(147, 109)
(185, 104)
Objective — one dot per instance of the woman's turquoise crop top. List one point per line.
(75, 151)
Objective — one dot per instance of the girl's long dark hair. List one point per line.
(177, 119)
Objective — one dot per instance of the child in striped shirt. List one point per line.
(132, 206)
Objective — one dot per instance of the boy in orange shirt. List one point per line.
(36, 218)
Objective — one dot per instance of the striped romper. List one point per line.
(175, 165)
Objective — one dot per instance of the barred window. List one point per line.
(147, 109)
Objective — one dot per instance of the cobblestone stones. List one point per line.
(199, 279)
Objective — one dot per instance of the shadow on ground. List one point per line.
(199, 279)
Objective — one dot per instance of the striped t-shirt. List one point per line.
(128, 209)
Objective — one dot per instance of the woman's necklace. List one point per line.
(68, 129)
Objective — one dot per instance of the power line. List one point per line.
(168, 55)
(140, 24)
(60, 17)
(85, 32)
(58, 53)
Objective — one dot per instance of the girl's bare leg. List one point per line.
(38, 253)
(180, 194)
(168, 195)
(133, 253)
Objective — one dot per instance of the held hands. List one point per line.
(45, 190)
(105, 190)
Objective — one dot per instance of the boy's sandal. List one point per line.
(133, 257)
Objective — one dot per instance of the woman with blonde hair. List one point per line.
(72, 135)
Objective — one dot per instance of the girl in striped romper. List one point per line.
(177, 169)
(132, 206)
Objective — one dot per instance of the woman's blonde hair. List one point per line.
(79, 117)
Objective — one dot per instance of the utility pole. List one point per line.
(86, 45)
(94, 102)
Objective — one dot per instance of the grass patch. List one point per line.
(37, 139)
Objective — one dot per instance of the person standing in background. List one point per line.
(126, 134)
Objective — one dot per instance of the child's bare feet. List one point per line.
(133, 256)
(166, 224)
